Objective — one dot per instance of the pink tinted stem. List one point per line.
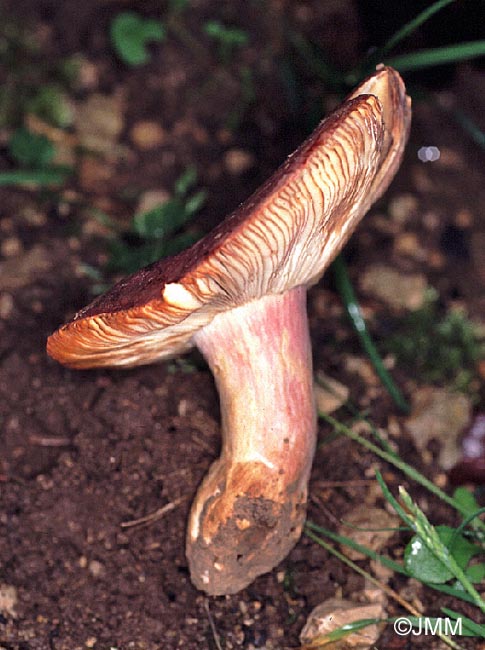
(250, 508)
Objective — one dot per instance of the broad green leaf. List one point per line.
(31, 149)
(52, 105)
(130, 34)
(476, 572)
(423, 564)
(466, 499)
(162, 220)
(181, 242)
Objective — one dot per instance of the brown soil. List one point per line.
(84, 453)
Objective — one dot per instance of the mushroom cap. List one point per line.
(283, 236)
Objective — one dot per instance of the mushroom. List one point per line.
(239, 295)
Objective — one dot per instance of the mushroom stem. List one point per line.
(249, 510)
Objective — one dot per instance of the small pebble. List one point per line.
(403, 207)
(152, 199)
(238, 161)
(11, 247)
(95, 568)
(147, 135)
(6, 305)
(394, 288)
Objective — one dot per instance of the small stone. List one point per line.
(19, 271)
(64, 142)
(6, 305)
(363, 368)
(147, 135)
(7, 225)
(8, 600)
(96, 569)
(94, 173)
(422, 180)
(464, 218)
(33, 216)
(394, 288)
(11, 247)
(436, 260)
(450, 159)
(381, 572)
(152, 199)
(407, 244)
(402, 208)
(88, 75)
(238, 161)
(432, 221)
(99, 122)
(330, 394)
(368, 526)
(439, 414)
(224, 136)
(332, 614)
(188, 127)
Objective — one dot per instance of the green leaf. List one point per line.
(466, 499)
(227, 35)
(31, 149)
(469, 627)
(437, 56)
(185, 182)
(410, 27)
(129, 259)
(347, 541)
(341, 632)
(181, 242)
(476, 572)
(52, 105)
(178, 6)
(423, 564)
(130, 34)
(195, 202)
(35, 176)
(162, 220)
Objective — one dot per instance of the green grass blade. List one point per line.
(385, 561)
(470, 628)
(369, 63)
(437, 56)
(342, 539)
(469, 126)
(413, 25)
(37, 177)
(365, 574)
(429, 536)
(394, 502)
(408, 470)
(460, 594)
(346, 291)
(341, 632)
(316, 63)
